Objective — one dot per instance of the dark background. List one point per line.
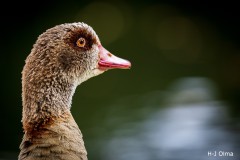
(166, 41)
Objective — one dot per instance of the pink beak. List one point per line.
(109, 61)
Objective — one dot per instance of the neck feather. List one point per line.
(45, 98)
(50, 130)
(61, 140)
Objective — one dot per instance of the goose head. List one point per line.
(75, 51)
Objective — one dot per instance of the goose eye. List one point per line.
(81, 42)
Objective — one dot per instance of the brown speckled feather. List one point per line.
(53, 70)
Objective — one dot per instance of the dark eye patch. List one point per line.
(74, 35)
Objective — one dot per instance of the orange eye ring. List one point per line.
(81, 42)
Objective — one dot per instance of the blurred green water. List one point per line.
(164, 41)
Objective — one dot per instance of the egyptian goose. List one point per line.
(62, 58)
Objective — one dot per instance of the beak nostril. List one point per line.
(109, 54)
